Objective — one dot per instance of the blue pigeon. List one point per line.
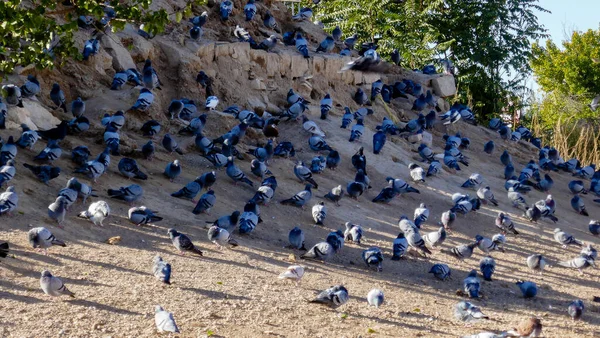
(296, 239)
(488, 148)
(441, 271)
(58, 97)
(250, 10)
(90, 48)
(471, 284)
(225, 9)
(302, 46)
(578, 205)
(528, 289)
(326, 104)
(347, 118)
(326, 45)
(379, 139)
(487, 265)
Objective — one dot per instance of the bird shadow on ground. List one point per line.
(104, 307)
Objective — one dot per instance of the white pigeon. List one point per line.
(164, 320)
(96, 212)
(293, 272)
(312, 127)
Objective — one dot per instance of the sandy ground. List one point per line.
(235, 292)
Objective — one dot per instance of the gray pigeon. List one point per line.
(516, 199)
(53, 286)
(220, 237)
(441, 271)
(463, 251)
(70, 196)
(416, 242)
(83, 190)
(467, 312)
(435, 238)
(322, 251)
(579, 263)
(300, 199)
(399, 247)
(182, 242)
(164, 320)
(189, 191)
(373, 257)
(41, 238)
(304, 174)
(565, 238)
(128, 167)
(161, 269)
(58, 210)
(8, 201)
(333, 297)
(296, 239)
(205, 203)
(236, 174)
(142, 215)
(536, 262)
(130, 193)
(228, 222)
(172, 170)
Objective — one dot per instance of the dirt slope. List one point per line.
(235, 292)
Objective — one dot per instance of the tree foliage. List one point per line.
(41, 31)
(569, 78)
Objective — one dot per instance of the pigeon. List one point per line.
(485, 194)
(130, 193)
(150, 128)
(347, 118)
(504, 223)
(318, 164)
(441, 271)
(161, 269)
(379, 139)
(357, 131)
(399, 247)
(211, 103)
(90, 48)
(236, 174)
(320, 251)
(373, 257)
(119, 80)
(8, 151)
(579, 263)
(471, 284)
(467, 312)
(533, 214)
(575, 309)
(7, 172)
(142, 215)
(421, 215)
(536, 262)
(293, 272)
(144, 100)
(450, 117)
(565, 238)
(486, 245)
(83, 190)
(326, 45)
(589, 251)
(58, 97)
(304, 174)
(97, 212)
(28, 137)
(57, 210)
(386, 195)
(415, 241)
(417, 173)
(31, 87)
(594, 225)
(220, 237)
(171, 145)
(359, 161)
(319, 212)
(447, 219)
(205, 203)
(333, 297)
(70, 196)
(355, 189)
(172, 170)
(311, 127)
(529, 327)
(13, 95)
(182, 242)
(353, 232)
(303, 14)
(317, 143)
(426, 153)
(164, 320)
(296, 239)
(487, 265)
(578, 205)
(473, 182)
(375, 297)
(128, 167)
(335, 195)
(326, 104)
(301, 46)
(8, 201)
(41, 238)
(528, 289)
(54, 286)
(576, 187)
(435, 238)
(488, 148)
(517, 200)
(463, 251)
(300, 198)
(77, 107)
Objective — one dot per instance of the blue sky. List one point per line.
(568, 16)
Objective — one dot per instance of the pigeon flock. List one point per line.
(250, 168)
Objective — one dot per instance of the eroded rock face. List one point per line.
(33, 114)
(121, 58)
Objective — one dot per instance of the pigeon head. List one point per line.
(46, 273)
(172, 233)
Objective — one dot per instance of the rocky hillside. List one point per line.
(234, 292)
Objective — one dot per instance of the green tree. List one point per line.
(40, 32)
(395, 24)
(490, 45)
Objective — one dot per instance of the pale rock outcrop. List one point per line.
(121, 58)
(444, 86)
(33, 114)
